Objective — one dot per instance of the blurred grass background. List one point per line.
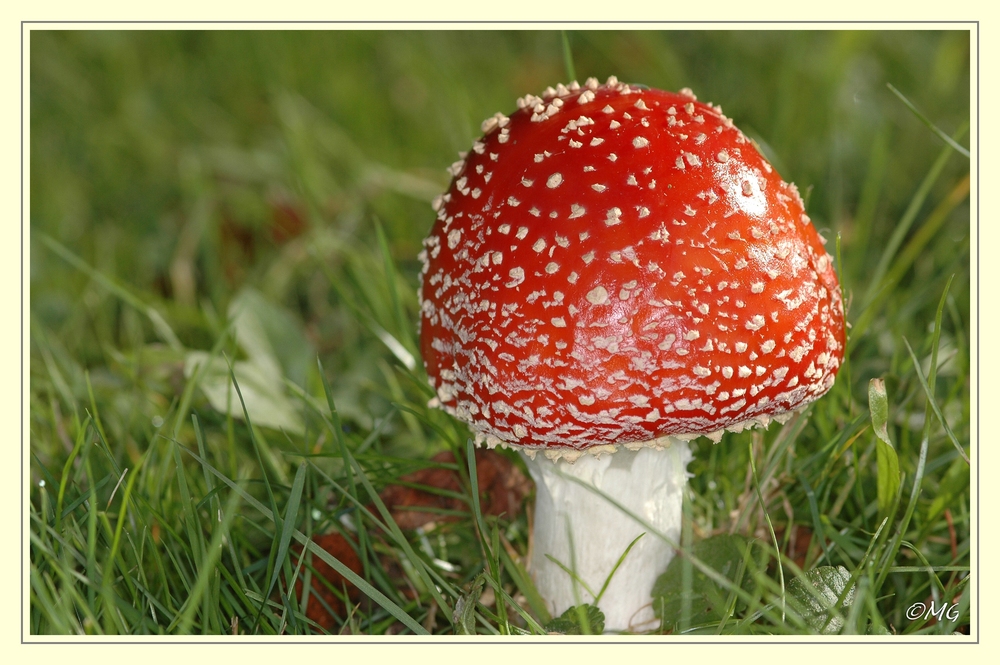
(179, 177)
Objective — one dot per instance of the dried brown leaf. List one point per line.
(340, 548)
(502, 487)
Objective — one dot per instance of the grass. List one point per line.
(221, 209)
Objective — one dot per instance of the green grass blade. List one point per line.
(267, 482)
(159, 323)
(906, 221)
(913, 249)
(429, 577)
(397, 348)
(930, 125)
(618, 563)
(336, 428)
(932, 403)
(567, 56)
(403, 325)
(194, 535)
(524, 584)
(928, 385)
(770, 529)
(819, 531)
(288, 523)
(491, 550)
(572, 573)
(68, 469)
(208, 564)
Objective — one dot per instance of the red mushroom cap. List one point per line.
(614, 264)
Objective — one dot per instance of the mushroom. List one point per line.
(615, 270)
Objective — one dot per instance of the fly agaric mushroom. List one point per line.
(614, 271)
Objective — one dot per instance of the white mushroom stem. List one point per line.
(572, 505)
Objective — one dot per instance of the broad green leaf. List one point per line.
(263, 391)
(885, 454)
(571, 622)
(275, 347)
(464, 616)
(830, 582)
(271, 336)
(708, 601)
